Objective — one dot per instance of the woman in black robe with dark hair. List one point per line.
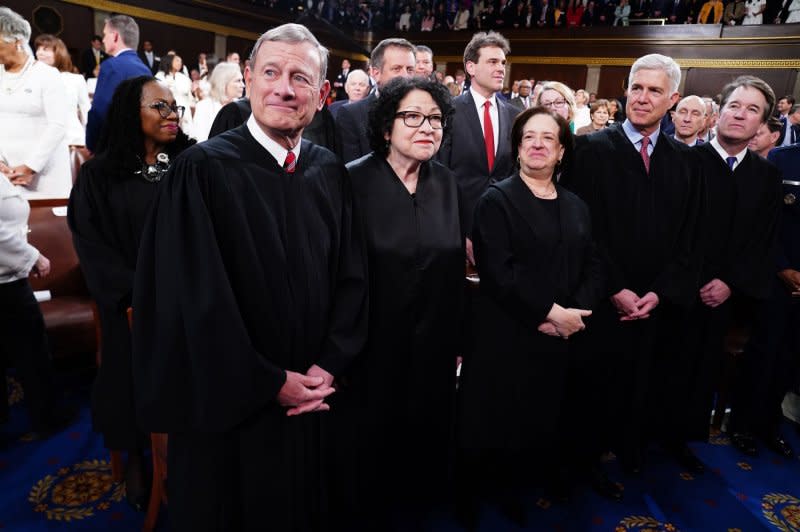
(108, 207)
(540, 276)
(402, 388)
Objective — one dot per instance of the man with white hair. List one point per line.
(250, 299)
(644, 197)
(356, 87)
(689, 117)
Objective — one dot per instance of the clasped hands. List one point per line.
(714, 293)
(632, 307)
(18, 175)
(564, 322)
(302, 394)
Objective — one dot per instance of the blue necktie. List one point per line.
(731, 162)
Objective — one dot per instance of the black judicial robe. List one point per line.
(739, 228)
(107, 211)
(646, 227)
(403, 386)
(530, 253)
(245, 271)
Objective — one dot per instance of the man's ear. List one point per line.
(323, 94)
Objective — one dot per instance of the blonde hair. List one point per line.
(564, 91)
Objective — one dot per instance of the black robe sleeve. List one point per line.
(232, 115)
(108, 273)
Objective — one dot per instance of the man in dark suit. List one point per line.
(356, 87)
(120, 37)
(391, 58)
(523, 99)
(149, 57)
(479, 152)
(341, 79)
(644, 195)
(92, 57)
(545, 15)
(790, 132)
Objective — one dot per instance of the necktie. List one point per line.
(644, 154)
(731, 162)
(290, 163)
(488, 134)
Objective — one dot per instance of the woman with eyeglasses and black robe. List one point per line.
(108, 207)
(402, 388)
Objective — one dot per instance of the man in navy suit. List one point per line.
(120, 37)
(391, 58)
(466, 151)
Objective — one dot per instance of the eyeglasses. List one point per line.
(414, 119)
(165, 109)
(556, 104)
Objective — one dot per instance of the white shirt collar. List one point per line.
(277, 151)
(724, 154)
(480, 100)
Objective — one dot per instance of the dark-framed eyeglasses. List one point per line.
(165, 109)
(555, 104)
(415, 119)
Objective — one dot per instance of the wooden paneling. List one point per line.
(611, 81)
(709, 81)
(77, 22)
(572, 76)
(242, 46)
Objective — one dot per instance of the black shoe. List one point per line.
(632, 461)
(777, 444)
(744, 443)
(602, 485)
(687, 459)
(136, 486)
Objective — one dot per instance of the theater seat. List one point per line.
(70, 316)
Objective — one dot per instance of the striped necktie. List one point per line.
(290, 164)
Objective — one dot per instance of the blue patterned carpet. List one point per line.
(65, 483)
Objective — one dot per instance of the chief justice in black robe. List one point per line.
(402, 388)
(540, 276)
(251, 296)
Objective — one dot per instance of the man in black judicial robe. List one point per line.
(739, 225)
(644, 211)
(250, 297)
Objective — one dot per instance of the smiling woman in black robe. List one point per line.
(540, 276)
(403, 386)
(107, 210)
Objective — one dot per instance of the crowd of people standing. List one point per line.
(299, 312)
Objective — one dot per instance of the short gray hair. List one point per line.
(658, 62)
(127, 28)
(222, 74)
(423, 48)
(294, 34)
(13, 27)
(694, 97)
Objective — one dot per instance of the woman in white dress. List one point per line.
(227, 85)
(181, 86)
(52, 51)
(33, 114)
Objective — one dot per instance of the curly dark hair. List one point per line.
(382, 112)
(564, 134)
(122, 139)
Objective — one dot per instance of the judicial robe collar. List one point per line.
(724, 155)
(277, 151)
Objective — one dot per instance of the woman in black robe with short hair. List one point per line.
(108, 207)
(402, 388)
(540, 276)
